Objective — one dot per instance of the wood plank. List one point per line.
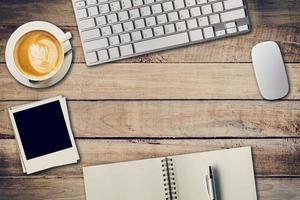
(278, 188)
(176, 119)
(151, 81)
(73, 188)
(272, 20)
(262, 12)
(271, 156)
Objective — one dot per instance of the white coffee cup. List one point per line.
(53, 30)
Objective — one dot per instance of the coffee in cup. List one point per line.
(36, 51)
(38, 55)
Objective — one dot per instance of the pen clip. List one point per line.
(207, 186)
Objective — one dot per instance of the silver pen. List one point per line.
(210, 184)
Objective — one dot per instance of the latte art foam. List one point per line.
(38, 53)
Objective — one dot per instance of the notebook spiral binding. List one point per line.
(169, 179)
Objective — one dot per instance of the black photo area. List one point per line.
(42, 130)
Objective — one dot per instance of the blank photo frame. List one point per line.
(43, 133)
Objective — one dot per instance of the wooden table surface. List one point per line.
(198, 98)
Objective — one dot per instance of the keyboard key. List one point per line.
(112, 18)
(208, 32)
(150, 21)
(203, 21)
(169, 28)
(91, 34)
(158, 31)
(230, 25)
(136, 35)
(125, 38)
(184, 14)
(145, 11)
(180, 26)
(117, 28)
(173, 16)
(230, 4)
(220, 33)
(101, 20)
(168, 6)
(161, 19)
(139, 23)
(103, 55)
(231, 30)
(137, 2)
(106, 31)
(80, 4)
(115, 6)
(134, 13)
(91, 2)
(114, 52)
(104, 8)
(162, 42)
(87, 23)
(192, 23)
(91, 57)
(206, 9)
(196, 35)
(214, 19)
(93, 11)
(149, 1)
(96, 44)
(195, 11)
(126, 4)
(81, 13)
(243, 28)
(178, 4)
(147, 33)
(190, 2)
(102, 42)
(126, 50)
(233, 15)
(218, 7)
(201, 1)
(156, 8)
(123, 15)
(114, 40)
(128, 26)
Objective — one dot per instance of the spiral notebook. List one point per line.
(179, 177)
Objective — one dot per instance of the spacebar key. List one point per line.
(162, 42)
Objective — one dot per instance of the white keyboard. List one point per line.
(116, 29)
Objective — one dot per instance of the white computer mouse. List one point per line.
(270, 70)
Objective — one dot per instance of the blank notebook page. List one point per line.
(135, 180)
(234, 174)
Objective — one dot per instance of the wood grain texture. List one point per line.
(73, 188)
(182, 119)
(21, 11)
(271, 156)
(127, 111)
(151, 81)
(271, 20)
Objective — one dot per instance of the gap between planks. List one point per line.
(80, 177)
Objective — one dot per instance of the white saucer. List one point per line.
(38, 84)
(49, 82)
